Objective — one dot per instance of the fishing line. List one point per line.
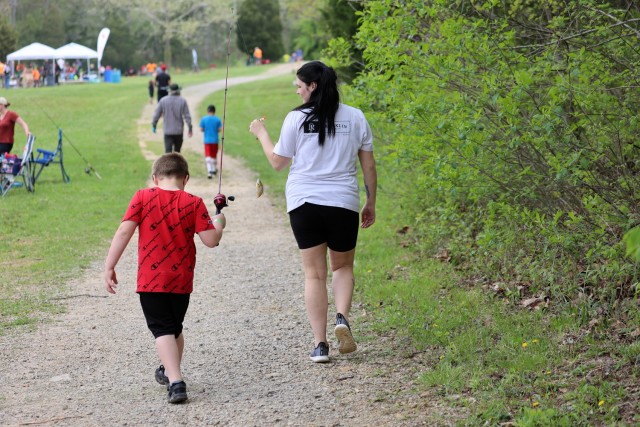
(224, 108)
(220, 201)
(88, 168)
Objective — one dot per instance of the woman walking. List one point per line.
(323, 140)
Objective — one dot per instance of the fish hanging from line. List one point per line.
(259, 188)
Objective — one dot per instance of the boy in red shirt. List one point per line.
(167, 218)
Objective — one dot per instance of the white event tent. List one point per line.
(39, 51)
(76, 51)
(33, 52)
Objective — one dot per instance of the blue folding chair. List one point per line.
(46, 158)
(13, 168)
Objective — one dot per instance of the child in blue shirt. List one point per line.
(211, 126)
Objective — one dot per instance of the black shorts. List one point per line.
(314, 225)
(164, 312)
(5, 147)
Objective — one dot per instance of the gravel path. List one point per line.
(247, 338)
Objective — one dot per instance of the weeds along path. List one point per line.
(246, 332)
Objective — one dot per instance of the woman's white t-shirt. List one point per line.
(324, 175)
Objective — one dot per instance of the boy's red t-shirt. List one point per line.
(167, 222)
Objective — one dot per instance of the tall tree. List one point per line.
(259, 25)
(180, 20)
(8, 38)
(119, 50)
(40, 21)
(293, 13)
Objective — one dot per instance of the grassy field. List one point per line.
(483, 354)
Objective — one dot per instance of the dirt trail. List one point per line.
(247, 337)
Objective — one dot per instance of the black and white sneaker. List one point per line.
(177, 392)
(320, 354)
(161, 378)
(346, 344)
(210, 176)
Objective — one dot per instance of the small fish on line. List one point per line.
(259, 188)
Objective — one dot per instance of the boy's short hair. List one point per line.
(211, 109)
(170, 165)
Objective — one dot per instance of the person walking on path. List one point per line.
(211, 126)
(151, 88)
(8, 120)
(174, 112)
(257, 55)
(167, 218)
(163, 82)
(324, 138)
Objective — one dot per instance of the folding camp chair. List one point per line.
(12, 168)
(46, 157)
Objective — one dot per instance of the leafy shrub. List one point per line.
(513, 130)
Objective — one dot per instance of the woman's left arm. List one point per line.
(368, 164)
(24, 125)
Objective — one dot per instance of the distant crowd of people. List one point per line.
(257, 57)
(37, 75)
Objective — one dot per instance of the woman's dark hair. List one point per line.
(325, 99)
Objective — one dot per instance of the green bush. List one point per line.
(518, 126)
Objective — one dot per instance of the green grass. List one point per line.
(484, 355)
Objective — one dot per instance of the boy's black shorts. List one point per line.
(314, 225)
(164, 312)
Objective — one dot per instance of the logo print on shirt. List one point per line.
(340, 126)
(311, 127)
(343, 127)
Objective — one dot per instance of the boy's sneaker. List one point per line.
(210, 176)
(161, 378)
(346, 344)
(177, 392)
(320, 354)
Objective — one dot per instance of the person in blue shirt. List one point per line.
(211, 126)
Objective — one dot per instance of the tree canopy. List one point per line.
(259, 25)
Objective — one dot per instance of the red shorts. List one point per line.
(211, 150)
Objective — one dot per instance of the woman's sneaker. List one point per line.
(346, 344)
(161, 378)
(177, 392)
(320, 354)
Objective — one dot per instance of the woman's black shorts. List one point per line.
(164, 312)
(314, 225)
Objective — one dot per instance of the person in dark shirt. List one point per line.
(163, 81)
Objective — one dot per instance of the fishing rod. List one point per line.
(88, 168)
(220, 201)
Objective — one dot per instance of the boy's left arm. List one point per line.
(118, 245)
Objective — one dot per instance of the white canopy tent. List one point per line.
(76, 51)
(33, 52)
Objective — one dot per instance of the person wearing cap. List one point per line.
(8, 120)
(174, 112)
(163, 81)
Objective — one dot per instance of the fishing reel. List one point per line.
(220, 201)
